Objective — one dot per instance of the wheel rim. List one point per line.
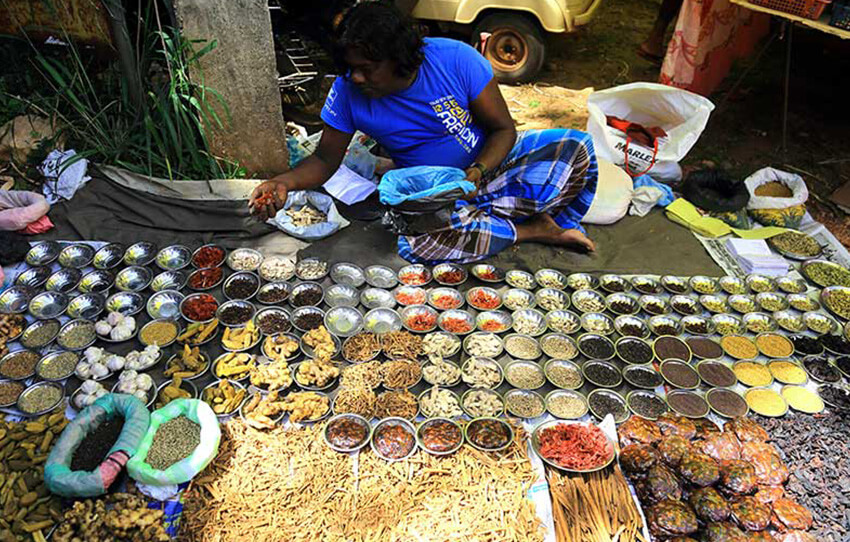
(507, 50)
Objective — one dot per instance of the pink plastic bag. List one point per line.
(19, 208)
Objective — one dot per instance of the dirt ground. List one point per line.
(744, 133)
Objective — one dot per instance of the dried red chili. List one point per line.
(200, 308)
(456, 325)
(410, 298)
(446, 302)
(481, 299)
(575, 446)
(205, 278)
(264, 199)
(450, 277)
(211, 256)
(422, 321)
(414, 278)
(492, 325)
(488, 275)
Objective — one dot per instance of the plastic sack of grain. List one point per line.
(59, 477)
(777, 198)
(185, 469)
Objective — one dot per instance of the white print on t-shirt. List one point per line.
(329, 102)
(457, 121)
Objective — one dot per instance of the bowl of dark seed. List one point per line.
(631, 326)
(685, 304)
(309, 318)
(633, 350)
(596, 346)
(653, 304)
(642, 376)
(306, 294)
(563, 374)
(698, 325)
(821, 370)
(646, 404)
(566, 404)
(614, 284)
(272, 320)
(236, 312)
(604, 402)
(675, 285)
(602, 374)
(837, 397)
(621, 303)
(665, 325)
(522, 346)
(647, 285)
(525, 404)
(242, 285)
(273, 293)
(836, 344)
(806, 346)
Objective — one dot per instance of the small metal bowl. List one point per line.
(414, 275)
(533, 395)
(536, 368)
(15, 300)
(34, 277)
(469, 338)
(11, 356)
(535, 445)
(303, 287)
(758, 322)
(348, 274)
(209, 245)
(127, 303)
(802, 302)
(357, 419)
(377, 298)
(26, 338)
(205, 270)
(380, 276)
(732, 285)
(418, 294)
(685, 305)
(204, 358)
(454, 296)
(48, 305)
(789, 321)
(588, 301)
(653, 304)
(342, 295)
(87, 306)
(301, 269)
(76, 256)
(647, 285)
(702, 284)
(162, 345)
(244, 252)
(518, 298)
(665, 325)
(185, 385)
(141, 253)
(742, 303)
(431, 421)
(622, 299)
(537, 322)
(456, 314)
(692, 322)
(242, 275)
(486, 290)
(98, 281)
(243, 415)
(726, 324)
(714, 303)
(551, 278)
(487, 273)
(751, 390)
(596, 322)
(165, 304)
(294, 370)
(630, 370)
(791, 285)
(760, 283)
(169, 280)
(63, 281)
(235, 303)
(414, 311)
(48, 359)
(343, 321)
(443, 268)
(553, 363)
(43, 253)
(173, 258)
(262, 314)
(552, 299)
(647, 394)
(486, 391)
(563, 321)
(828, 299)
(308, 350)
(554, 394)
(393, 421)
(675, 285)
(819, 323)
(623, 323)
(108, 256)
(293, 318)
(772, 301)
(614, 284)
(520, 279)
(37, 388)
(292, 357)
(511, 338)
(267, 289)
(582, 281)
(133, 279)
(549, 337)
(508, 429)
(612, 395)
(600, 363)
(61, 339)
(487, 361)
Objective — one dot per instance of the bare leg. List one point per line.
(543, 229)
(654, 44)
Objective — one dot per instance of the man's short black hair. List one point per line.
(379, 32)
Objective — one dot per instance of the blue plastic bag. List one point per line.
(423, 184)
(323, 203)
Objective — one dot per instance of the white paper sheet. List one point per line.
(349, 187)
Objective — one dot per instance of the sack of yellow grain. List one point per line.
(777, 198)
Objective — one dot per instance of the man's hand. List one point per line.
(473, 175)
(267, 199)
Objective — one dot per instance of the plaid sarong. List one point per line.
(547, 171)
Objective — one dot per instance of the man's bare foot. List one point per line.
(652, 50)
(543, 229)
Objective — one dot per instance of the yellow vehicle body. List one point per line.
(556, 16)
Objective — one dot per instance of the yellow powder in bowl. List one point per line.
(787, 372)
(766, 402)
(802, 399)
(752, 374)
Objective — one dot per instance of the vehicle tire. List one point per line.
(515, 48)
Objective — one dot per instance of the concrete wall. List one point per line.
(242, 68)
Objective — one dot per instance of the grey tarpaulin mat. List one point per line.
(650, 244)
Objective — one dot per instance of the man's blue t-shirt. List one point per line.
(427, 124)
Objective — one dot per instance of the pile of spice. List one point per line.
(642, 376)
(604, 402)
(797, 243)
(836, 344)
(96, 444)
(646, 404)
(773, 345)
(118, 516)
(277, 268)
(596, 347)
(568, 406)
(525, 376)
(802, 399)
(446, 301)
(522, 347)
(158, 332)
(347, 432)
(241, 286)
(821, 369)
(58, 366)
(199, 307)
(827, 274)
(727, 403)
(77, 335)
(739, 347)
(401, 344)
(525, 404)
(401, 374)
(806, 346)
(393, 440)
(203, 279)
(273, 322)
(275, 292)
(309, 320)
(602, 373)
(422, 320)
(440, 436)
(451, 276)
(311, 269)
(173, 441)
(671, 348)
(564, 375)
(787, 372)
(40, 398)
(766, 402)
(575, 446)
(752, 374)
(40, 333)
(306, 216)
(9, 392)
(558, 347)
(402, 404)
(410, 296)
(679, 374)
(306, 294)
(209, 256)
(717, 374)
(19, 365)
(361, 347)
(484, 298)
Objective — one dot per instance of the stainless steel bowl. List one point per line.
(311, 269)
(772, 301)
(377, 298)
(169, 280)
(614, 284)
(551, 278)
(237, 387)
(173, 257)
(647, 285)
(342, 295)
(98, 281)
(414, 311)
(419, 294)
(732, 285)
(495, 321)
(622, 322)
(551, 299)
(198, 250)
(308, 350)
(518, 298)
(802, 302)
(359, 420)
(267, 312)
(394, 421)
(64, 280)
(485, 391)
(431, 421)
(343, 321)
(654, 304)
(33, 277)
(165, 304)
(622, 299)
(292, 357)
(141, 253)
(758, 322)
(518, 278)
(133, 279)
(453, 295)
(204, 358)
(185, 385)
(597, 322)
(48, 305)
(268, 289)
(243, 276)
(305, 286)
(108, 256)
(658, 323)
(246, 253)
(311, 387)
(791, 285)
(8, 358)
(714, 303)
(471, 337)
(675, 285)
(727, 324)
(76, 256)
(27, 337)
(529, 322)
(486, 290)
(762, 283)
(612, 395)
(553, 363)
(529, 365)
(588, 301)
(582, 281)
(443, 268)
(15, 300)
(49, 358)
(466, 317)
(487, 273)
(742, 303)
(127, 303)
(43, 253)
(305, 310)
(690, 323)
(508, 429)
(702, 284)
(554, 394)
(70, 327)
(235, 303)
(819, 323)
(414, 275)
(530, 394)
(380, 276)
(549, 337)
(563, 321)
(348, 274)
(39, 388)
(88, 306)
(382, 320)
